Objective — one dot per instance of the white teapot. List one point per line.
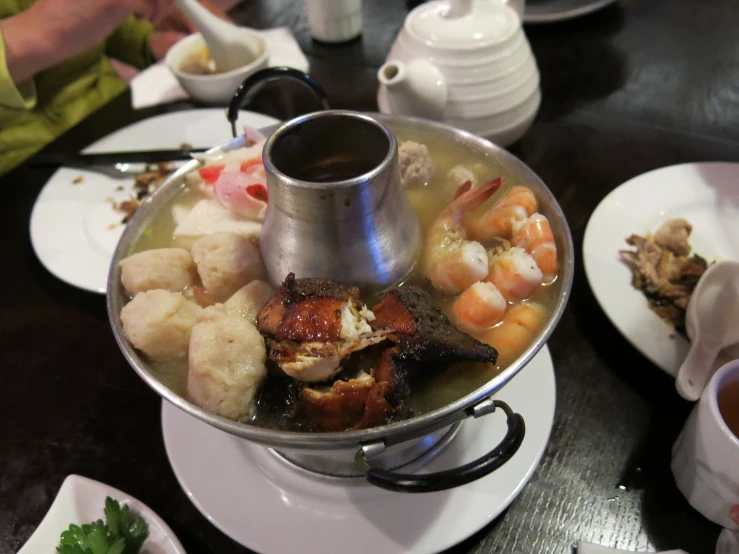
(466, 63)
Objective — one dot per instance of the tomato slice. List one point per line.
(259, 192)
(210, 173)
(249, 165)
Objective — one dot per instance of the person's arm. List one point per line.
(51, 31)
(20, 96)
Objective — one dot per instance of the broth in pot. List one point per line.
(489, 264)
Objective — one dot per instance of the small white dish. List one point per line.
(551, 11)
(248, 494)
(705, 194)
(705, 457)
(220, 87)
(81, 500)
(74, 228)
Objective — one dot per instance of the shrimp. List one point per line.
(478, 308)
(535, 236)
(498, 221)
(515, 273)
(518, 328)
(454, 263)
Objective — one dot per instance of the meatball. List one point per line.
(459, 175)
(226, 262)
(227, 357)
(249, 300)
(164, 268)
(159, 323)
(415, 163)
(674, 234)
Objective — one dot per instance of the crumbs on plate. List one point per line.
(145, 183)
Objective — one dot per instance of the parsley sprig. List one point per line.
(123, 532)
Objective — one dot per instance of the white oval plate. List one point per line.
(551, 11)
(74, 228)
(80, 501)
(707, 195)
(268, 507)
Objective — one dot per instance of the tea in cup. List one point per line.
(705, 457)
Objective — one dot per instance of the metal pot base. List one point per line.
(326, 467)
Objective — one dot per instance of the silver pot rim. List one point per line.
(391, 433)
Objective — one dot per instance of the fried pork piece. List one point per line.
(311, 325)
(339, 408)
(665, 277)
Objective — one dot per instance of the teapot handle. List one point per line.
(251, 85)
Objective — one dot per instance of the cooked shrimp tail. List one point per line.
(516, 205)
(520, 325)
(515, 273)
(535, 236)
(454, 263)
(478, 308)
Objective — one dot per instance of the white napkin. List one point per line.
(588, 548)
(156, 84)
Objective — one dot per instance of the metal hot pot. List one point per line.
(384, 455)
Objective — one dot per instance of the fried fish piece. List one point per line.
(422, 331)
(422, 335)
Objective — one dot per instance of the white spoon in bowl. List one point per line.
(712, 318)
(230, 46)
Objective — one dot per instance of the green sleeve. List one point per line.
(130, 43)
(13, 98)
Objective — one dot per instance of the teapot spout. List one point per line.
(415, 88)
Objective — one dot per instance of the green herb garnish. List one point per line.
(123, 532)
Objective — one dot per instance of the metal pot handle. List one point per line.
(450, 478)
(251, 85)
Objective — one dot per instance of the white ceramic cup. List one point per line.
(705, 457)
(334, 20)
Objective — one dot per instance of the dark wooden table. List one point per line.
(636, 86)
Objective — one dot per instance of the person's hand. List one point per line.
(162, 41)
(51, 31)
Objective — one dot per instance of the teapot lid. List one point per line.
(462, 23)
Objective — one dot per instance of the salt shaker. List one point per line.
(334, 20)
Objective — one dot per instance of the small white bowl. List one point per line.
(211, 89)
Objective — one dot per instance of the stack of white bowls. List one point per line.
(485, 70)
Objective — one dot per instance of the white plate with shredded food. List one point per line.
(74, 224)
(551, 11)
(706, 195)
